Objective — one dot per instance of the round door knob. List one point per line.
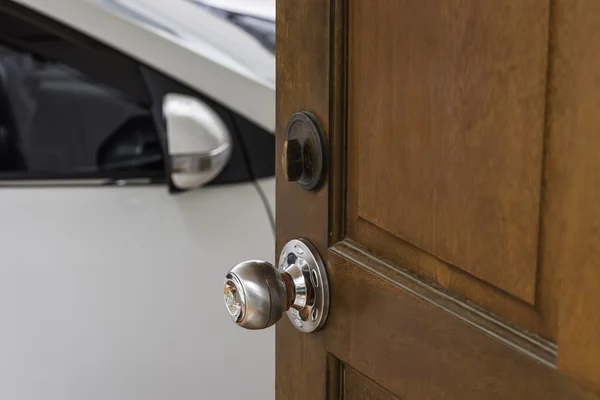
(257, 294)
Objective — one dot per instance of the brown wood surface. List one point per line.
(416, 350)
(359, 387)
(576, 146)
(540, 320)
(302, 85)
(448, 112)
(417, 333)
(542, 273)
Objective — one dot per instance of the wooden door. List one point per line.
(460, 219)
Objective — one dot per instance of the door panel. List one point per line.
(446, 109)
(357, 386)
(449, 111)
(456, 221)
(410, 340)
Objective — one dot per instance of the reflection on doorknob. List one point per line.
(257, 294)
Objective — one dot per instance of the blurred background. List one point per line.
(136, 163)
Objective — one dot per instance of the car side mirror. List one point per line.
(198, 140)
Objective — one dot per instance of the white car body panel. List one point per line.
(116, 293)
(206, 52)
(268, 187)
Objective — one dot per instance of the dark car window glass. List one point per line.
(56, 121)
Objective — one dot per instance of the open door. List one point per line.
(459, 219)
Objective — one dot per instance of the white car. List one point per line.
(136, 165)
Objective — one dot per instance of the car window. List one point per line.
(59, 123)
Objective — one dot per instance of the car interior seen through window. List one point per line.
(56, 122)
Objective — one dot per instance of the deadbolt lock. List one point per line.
(304, 155)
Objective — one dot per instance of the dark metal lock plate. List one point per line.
(304, 157)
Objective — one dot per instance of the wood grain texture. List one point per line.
(448, 112)
(575, 151)
(335, 380)
(540, 319)
(359, 387)
(477, 317)
(418, 351)
(302, 85)
(338, 119)
(411, 345)
(537, 320)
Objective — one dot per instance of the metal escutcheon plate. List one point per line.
(314, 315)
(304, 127)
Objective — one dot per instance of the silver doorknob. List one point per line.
(257, 294)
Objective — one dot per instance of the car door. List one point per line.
(458, 219)
(109, 283)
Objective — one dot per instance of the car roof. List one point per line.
(182, 40)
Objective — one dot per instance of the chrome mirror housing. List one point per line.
(198, 140)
